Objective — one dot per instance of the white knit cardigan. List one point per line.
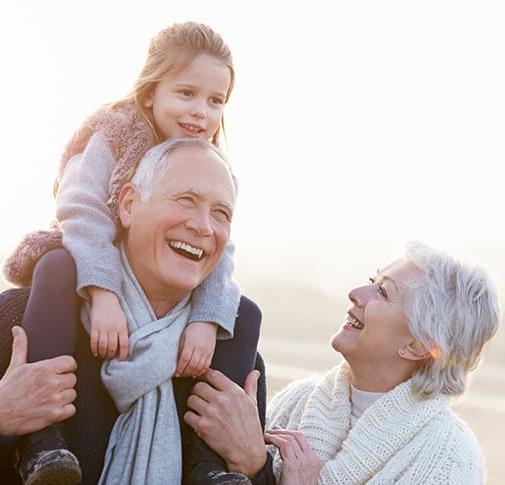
(399, 439)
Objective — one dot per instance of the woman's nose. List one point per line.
(359, 295)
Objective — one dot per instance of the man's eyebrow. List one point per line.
(387, 278)
(199, 196)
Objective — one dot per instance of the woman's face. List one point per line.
(376, 326)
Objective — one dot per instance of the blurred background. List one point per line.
(352, 129)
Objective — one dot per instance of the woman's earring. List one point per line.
(401, 352)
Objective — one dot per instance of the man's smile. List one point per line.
(186, 250)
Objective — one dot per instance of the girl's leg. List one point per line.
(50, 321)
(235, 358)
(51, 317)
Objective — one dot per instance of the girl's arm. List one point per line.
(89, 233)
(85, 219)
(217, 298)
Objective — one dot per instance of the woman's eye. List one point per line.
(186, 92)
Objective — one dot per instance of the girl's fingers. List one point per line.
(284, 444)
(184, 366)
(102, 344)
(94, 342)
(123, 345)
(112, 341)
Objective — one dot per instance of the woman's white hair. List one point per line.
(453, 312)
(156, 161)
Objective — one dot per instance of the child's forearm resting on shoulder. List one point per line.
(217, 298)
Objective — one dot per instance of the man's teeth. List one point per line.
(354, 322)
(186, 247)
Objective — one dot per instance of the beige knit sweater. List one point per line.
(399, 439)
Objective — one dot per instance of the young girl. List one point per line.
(181, 91)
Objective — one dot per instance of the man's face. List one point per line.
(176, 238)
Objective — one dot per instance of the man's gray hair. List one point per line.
(156, 161)
(453, 312)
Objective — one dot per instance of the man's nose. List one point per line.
(199, 222)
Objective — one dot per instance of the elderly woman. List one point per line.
(411, 336)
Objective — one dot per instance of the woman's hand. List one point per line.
(300, 465)
(196, 349)
(109, 331)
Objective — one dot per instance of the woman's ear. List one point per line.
(127, 201)
(414, 351)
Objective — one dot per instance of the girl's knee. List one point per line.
(56, 264)
(248, 321)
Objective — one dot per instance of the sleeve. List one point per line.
(266, 474)
(86, 221)
(217, 298)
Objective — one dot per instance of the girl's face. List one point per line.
(190, 103)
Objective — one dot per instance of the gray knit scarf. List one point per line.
(145, 444)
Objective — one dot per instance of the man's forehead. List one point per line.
(201, 172)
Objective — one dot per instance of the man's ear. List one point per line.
(127, 201)
(414, 351)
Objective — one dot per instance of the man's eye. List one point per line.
(382, 291)
(185, 200)
(223, 215)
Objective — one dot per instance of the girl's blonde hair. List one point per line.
(172, 50)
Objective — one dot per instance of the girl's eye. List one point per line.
(186, 92)
(217, 100)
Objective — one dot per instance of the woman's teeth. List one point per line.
(354, 322)
(182, 247)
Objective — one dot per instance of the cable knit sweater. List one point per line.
(399, 438)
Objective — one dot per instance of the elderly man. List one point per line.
(183, 192)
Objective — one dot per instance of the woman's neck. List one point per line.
(380, 378)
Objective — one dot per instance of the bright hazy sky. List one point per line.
(372, 121)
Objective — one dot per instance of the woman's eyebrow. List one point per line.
(387, 278)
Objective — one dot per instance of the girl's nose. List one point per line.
(199, 110)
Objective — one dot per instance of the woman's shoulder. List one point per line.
(463, 452)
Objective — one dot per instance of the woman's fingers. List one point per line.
(287, 444)
(296, 435)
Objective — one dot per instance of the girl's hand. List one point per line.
(300, 465)
(109, 331)
(196, 349)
